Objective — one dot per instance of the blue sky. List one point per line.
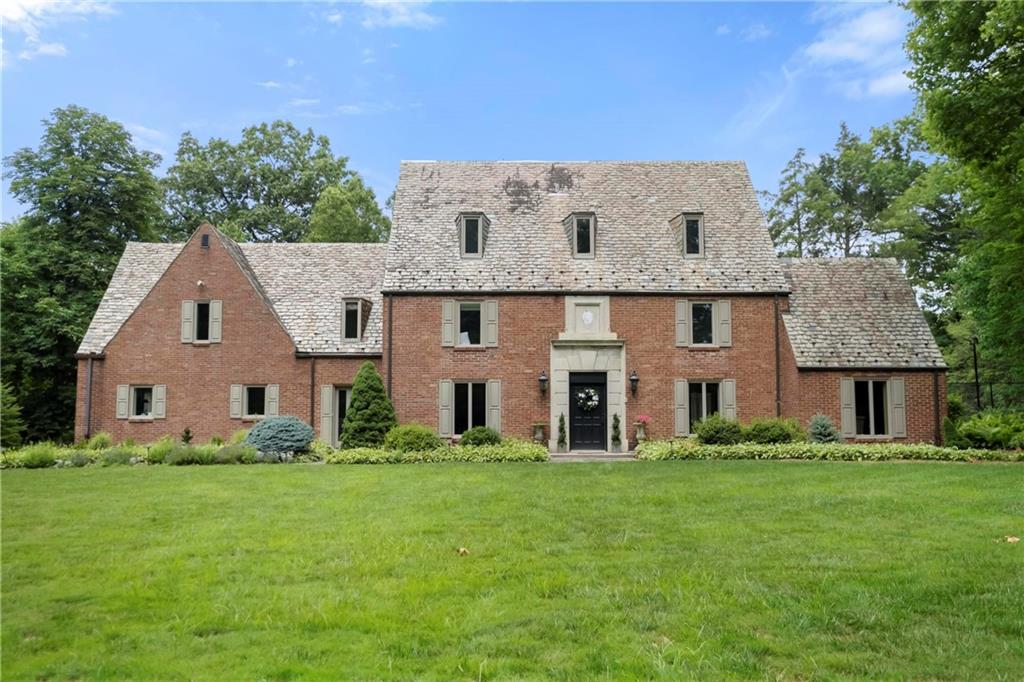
(386, 82)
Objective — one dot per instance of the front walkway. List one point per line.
(592, 456)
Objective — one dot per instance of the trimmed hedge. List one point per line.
(410, 438)
(479, 435)
(690, 449)
(510, 450)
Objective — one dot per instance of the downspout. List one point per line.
(88, 398)
(312, 391)
(935, 405)
(778, 361)
(391, 320)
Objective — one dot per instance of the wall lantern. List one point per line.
(543, 379)
(634, 379)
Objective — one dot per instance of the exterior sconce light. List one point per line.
(634, 380)
(543, 379)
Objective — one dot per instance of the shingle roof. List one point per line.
(304, 285)
(856, 312)
(527, 248)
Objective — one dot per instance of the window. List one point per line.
(470, 406)
(203, 321)
(703, 316)
(871, 407)
(693, 235)
(703, 400)
(583, 236)
(353, 321)
(471, 237)
(205, 241)
(142, 402)
(469, 324)
(255, 401)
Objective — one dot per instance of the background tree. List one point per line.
(348, 213)
(88, 190)
(789, 217)
(370, 414)
(11, 424)
(262, 189)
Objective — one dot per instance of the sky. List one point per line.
(387, 81)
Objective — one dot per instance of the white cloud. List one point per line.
(895, 83)
(336, 18)
(35, 49)
(300, 102)
(755, 32)
(30, 18)
(762, 104)
(390, 14)
(871, 37)
(368, 56)
(269, 85)
(723, 30)
(291, 62)
(149, 138)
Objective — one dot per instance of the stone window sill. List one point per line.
(470, 348)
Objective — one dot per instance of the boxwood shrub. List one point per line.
(777, 430)
(480, 435)
(717, 430)
(411, 437)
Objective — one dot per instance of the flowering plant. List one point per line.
(644, 419)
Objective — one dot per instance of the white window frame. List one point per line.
(479, 218)
(871, 409)
(592, 219)
(245, 401)
(699, 217)
(458, 324)
(359, 320)
(474, 385)
(703, 398)
(714, 324)
(131, 402)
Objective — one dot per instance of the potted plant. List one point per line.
(561, 433)
(538, 432)
(616, 434)
(641, 427)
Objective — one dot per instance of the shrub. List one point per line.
(100, 441)
(411, 437)
(717, 430)
(616, 430)
(561, 431)
(11, 422)
(822, 430)
(993, 429)
(38, 456)
(955, 407)
(774, 431)
(370, 414)
(78, 459)
(186, 436)
(318, 451)
(216, 440)
(480, 435)
(116, 456)
(821, 451)
(280, 434)
(951, 437)
(509, 450)
(238, 437)
(235, 454)
(158, 451)
(182, 455)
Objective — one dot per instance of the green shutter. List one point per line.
(445, 407)
(494, 405)
(490, 323)
(447, 323)
(724, 312)
(681, 408)
(273, 392)
(898, 407)
(188, 310)
(236, 401)
(160, 401)
(216, 320)
(682, 323)
(846, 408)
(122, 401)
(327, 433)
(729, 398)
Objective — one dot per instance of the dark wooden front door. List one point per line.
(588, 429)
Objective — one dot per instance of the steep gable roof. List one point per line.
(856, 312)
(528, 249)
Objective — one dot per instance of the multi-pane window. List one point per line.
(352, 321)
(703, 400)
(255, 401)
(471, 241)
(693, 236)
(871, 407)
(203, 321)
(583, 236)
(142, 401)
(470, 323)
(470, 406)
(703, 321)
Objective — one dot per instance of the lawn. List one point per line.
(709, 570)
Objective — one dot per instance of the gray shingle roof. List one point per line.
(304, 285)
(856, 312)
(527, 248)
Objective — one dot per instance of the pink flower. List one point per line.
(643, 419)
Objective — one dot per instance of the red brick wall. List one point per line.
(148, 350)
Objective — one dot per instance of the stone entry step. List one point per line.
(592, 457)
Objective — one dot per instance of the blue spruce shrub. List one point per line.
(280, 434)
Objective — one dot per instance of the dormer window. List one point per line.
(582, 232)
(472, 234)
(693, 236)
(354, 312)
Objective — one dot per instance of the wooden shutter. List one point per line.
(729, 398)
(724, 312)
(490, 323)
(898, 407)
(445, 407)
(122, 401)
(682, 323)
(494, 404)
(160, 401)
(847, 414)
(188, 311)
(681, 408)
(236, 401)
(273, 392)
(327, 433)
(216, 320)
(447, 323)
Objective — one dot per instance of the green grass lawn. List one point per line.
(710, 570)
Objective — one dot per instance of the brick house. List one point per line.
(511, 294)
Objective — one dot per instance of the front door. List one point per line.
(588, 413)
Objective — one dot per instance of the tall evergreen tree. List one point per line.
(348, 213)
(370, 414)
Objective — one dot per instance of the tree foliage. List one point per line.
(88, 190)
(11, 424)
(348, 212)
(370, 414)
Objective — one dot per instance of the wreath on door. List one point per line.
(587, 399)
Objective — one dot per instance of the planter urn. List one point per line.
(641, 431)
